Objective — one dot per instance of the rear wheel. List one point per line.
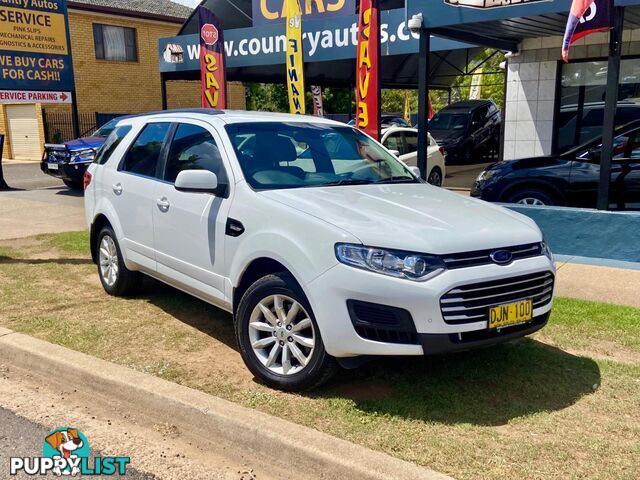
(116, 278)
(278, 336)
(532, 196)
(73, 185)
(435, 177)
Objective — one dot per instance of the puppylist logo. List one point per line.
(66, 451)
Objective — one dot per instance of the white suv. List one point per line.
(324, 247)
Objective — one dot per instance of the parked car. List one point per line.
(570, 178)
(69, 161)
(324, 254)
(404, 141)
(573, 131)
(467, 130)
(387, 121)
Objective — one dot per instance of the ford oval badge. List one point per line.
(501, 257)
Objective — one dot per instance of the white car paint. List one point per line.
(409, 155)
(186, 245)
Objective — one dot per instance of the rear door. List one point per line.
(130, 188)
(189, 228)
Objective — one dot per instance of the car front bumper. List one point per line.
(72, 172)
(330, 293)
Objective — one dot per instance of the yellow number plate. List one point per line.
(511, 314)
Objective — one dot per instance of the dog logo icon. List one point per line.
(66, 446)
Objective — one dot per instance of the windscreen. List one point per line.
(276, 155)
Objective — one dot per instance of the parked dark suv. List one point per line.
(467, 130)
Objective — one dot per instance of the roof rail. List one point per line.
(202, 111)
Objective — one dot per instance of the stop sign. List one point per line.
(209, 34)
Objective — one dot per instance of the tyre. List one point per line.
(532, 196)
(279, 338)
(73, 185)
(116, 278)
(435, 177)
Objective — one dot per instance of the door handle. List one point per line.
(163, 204)
(117, 189)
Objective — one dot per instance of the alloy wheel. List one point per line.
(531, 201)
(281, 334)
(109, 266)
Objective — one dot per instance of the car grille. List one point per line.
(482, 257)
(471, 303)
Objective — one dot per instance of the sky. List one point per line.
(191, 3)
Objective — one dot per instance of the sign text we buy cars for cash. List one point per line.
(34, 45)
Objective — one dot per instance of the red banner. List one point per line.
(585, 17)
(368, 61)
(212, 61)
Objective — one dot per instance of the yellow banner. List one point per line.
(32, 31)
(294, 61)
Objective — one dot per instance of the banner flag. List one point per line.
(407, 108)
(367, 64)
(318, 109)
(585, 17)
(212, 61)
(294, 62)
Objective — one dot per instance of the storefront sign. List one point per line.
(212, 64)
(318, 109)
(322, 40)
(35, 52)
(367, 63)
(586, 17)
(295, 65)
(270, 11)
(30, 96)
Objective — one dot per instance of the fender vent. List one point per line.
(382, 323)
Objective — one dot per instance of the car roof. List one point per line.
(234, 116)
(467, 105)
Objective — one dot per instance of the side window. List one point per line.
(193, 148)
(112, 142)
(411, 139)
(394, 142)
(143, 156)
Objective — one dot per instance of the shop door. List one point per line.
(24, 133)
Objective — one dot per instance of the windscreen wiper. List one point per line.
(346, 181)
(398, 179)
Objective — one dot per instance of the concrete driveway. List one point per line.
(38, 203)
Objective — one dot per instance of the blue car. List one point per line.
(70, 160)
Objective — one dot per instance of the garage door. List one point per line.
(23, 131)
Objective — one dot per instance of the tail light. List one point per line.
(443, 151)
(87, 180)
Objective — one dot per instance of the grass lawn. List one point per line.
(563, 404)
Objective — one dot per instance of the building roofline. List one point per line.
(124, 13)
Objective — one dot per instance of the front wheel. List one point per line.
(279, 338)
(533, 197)
(73, 185)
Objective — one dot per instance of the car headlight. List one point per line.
(485, 175)
(412, 266)
(83, 156)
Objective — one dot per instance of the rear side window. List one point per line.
(112, 142)
(193, 148)
(143, 156)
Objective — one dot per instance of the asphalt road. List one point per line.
(20, 437)
(27, 176)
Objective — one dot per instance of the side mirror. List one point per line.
(415, 171)
(396, 153)
(197, 181)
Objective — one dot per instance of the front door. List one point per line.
(189, 228)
